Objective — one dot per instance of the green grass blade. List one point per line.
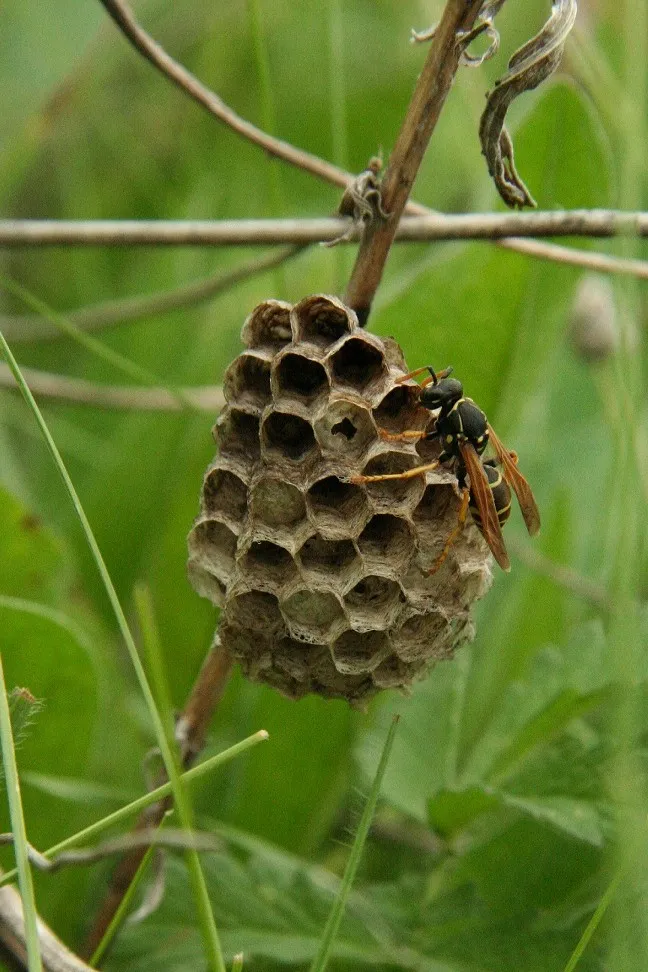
(335, 916)
(166, 749)
(593, 923)
(25, 883)
(91, 344)
(150, 637)
(121, 914)
(154, 796)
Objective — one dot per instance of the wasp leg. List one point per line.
(408, 474)
(407, 436)
(433, 375)
(461, 521)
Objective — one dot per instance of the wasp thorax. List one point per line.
(323, 583)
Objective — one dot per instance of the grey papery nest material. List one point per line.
(322, 583)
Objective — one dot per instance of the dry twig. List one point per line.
(61, 388)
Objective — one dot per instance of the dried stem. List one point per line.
(56, 957)
(156, 55)
(33, 327)
(43, 384)
(191, 732)
(428, 227)
(422, 115)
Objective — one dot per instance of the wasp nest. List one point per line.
(322, 583)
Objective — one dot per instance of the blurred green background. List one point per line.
(516, 788)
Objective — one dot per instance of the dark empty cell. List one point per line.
(357, 363)
(289, 434)
(354, 652)
(322, 322)
(256, 611)
(248, 381)
(400, 411)
(224, 492)
(270, 561)
(437, 501)
(216, 541)
(297, 375)
(268, 326)
(385, 536)
(327, 554)
(334, 502)
(315, 610)
(237, 434)
(278, 503)
(373, 594)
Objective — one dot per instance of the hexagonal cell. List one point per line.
(268, 326)
(256, 611)
(332, 561)
(276, 502)
(205, 584)
(424, 636)
(322, 320)
(337, 509)
(224, 492)
(326, 680)
(313, 616)
(387, 540)
(297, 376)
(359, 365)
(287, 436)
(374, 603)
(400, 411)
(355, 653)
(247, 381)
(237, 434)
(390, 493)
(345, 430)
(268, 563)
(438, 504)
(393, 673)
(212, 545)
(394, 355)
(296, 658)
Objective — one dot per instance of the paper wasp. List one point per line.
(463, 431)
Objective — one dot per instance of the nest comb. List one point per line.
(322, 584)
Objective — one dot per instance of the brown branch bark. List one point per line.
(191, 733)
(430, 94)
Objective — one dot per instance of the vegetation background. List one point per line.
(515, 791)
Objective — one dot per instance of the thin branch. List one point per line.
(158, 57)
(191, 734)
(56, 957)
(601, 223)
(33, 327)
(429, 96)
(208, 398)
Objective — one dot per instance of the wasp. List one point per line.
(464, 432)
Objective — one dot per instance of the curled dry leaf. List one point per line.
(529, 67)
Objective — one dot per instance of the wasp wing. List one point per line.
(514, 478)
(483, 498)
